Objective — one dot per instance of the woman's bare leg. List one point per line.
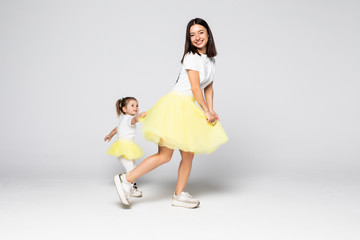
(184, 171)
(163, 156)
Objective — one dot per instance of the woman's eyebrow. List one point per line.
(198, 31)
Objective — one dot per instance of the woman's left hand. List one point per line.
(216, 116)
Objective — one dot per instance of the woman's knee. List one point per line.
(165, 158)
(187, 156)
(187, 161)
(165, 154)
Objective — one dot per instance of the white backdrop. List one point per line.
(286, 88)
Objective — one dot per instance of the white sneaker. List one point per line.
(184, 199)
(135, 191)
(123, 188)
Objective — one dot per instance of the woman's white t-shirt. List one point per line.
(125, 129)
(204, 65)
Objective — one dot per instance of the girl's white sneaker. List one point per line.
(123, 188)
(184, 199)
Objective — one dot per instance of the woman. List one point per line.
(176, 122)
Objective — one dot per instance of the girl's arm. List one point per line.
(209, 96)
(194, 78)
(137, 117)
(110, 135)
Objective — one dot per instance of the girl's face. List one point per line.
(131, 108)
(199, 37)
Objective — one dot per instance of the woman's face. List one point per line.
(199, 37)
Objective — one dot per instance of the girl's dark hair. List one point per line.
(120, 103)
(210, 47)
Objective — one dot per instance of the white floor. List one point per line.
(267, 207)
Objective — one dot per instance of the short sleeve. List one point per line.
(128, 119)
(191, 62)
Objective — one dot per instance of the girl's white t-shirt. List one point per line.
(204, 65)
(125, 129)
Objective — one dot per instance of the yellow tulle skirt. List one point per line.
(126, 148)
(176, 122)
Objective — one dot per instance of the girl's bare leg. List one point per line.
(163, 156)
(184, 171)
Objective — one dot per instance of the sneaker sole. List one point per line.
(177, 203)
(137, 196)
(120, 190)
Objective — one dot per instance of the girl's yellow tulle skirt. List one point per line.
(126, 148)
(176, 122)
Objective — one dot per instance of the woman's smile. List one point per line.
(199, 37)
(199, 42)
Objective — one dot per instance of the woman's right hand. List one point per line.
(210, 117)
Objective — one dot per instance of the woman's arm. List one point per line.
(194, 78)
(110, 135)
(209, 96)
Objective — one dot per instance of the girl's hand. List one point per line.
(142, 115)
(211, 118)
(107, 138)
(137, 118)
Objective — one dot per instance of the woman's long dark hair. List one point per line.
(210, 47)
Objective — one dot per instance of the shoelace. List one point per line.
(134, 186)
(187, 194)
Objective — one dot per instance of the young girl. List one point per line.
(176, 122)
(125, 149)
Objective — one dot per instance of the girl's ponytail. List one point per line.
(118, 107)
